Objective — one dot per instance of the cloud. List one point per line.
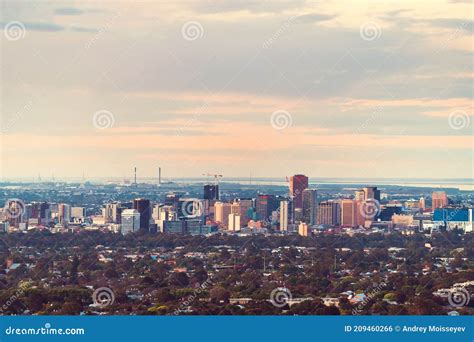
(461, 25)
(68, 11)
(38, 26)
(313, 18)
(252, 6)
(82, 29)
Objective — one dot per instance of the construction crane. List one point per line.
(216, 177)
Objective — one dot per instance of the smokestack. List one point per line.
(135, 175)
(159, 175)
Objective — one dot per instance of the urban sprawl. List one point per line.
(219, 248)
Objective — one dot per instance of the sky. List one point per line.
(351, 89)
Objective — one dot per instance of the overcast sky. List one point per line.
(325, 88)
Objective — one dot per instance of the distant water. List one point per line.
(466, 184)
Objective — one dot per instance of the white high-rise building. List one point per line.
(78, 212)
(284, 215)
(130, 221)
(64, 214)
(234, 222)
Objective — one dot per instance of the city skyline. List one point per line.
(236, 88)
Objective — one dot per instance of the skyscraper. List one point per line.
(348, 213)
(422, 203)
(241, 207)
(265, 205)
(234, 222)
(297, 184)
(284, 215)
(371, 192)
(130, 221)
(221, 213)
(328, 213)
(211, 192)
(439, 199)
(64, 214)
(112, 212)
(142, 205)
(310, 206)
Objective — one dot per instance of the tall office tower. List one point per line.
(439, 199)
(142, 205)
(371, 192)
(45, 213)
(162, 213)
(221, 213)
(130, 221)
(64, 214)
(265, 205)
(78, 212)
(241, 207)
(328, 213)
(297, 184)
(211, 192)
(348, 213)
(36, 211)
(422, 203)
(112, 212)
(310, 206)
(284, 215)
(172, 199)
(234, 222)
(303, 229)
